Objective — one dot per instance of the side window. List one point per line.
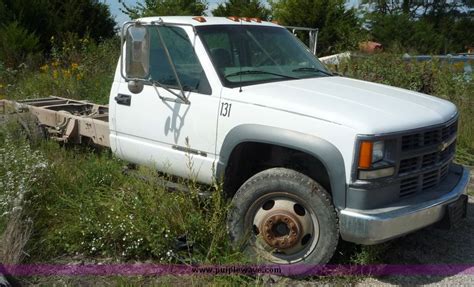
(188, 68)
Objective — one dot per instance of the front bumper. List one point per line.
(382, 224)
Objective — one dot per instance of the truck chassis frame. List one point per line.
(68, 121)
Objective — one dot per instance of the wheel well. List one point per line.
(250, 158)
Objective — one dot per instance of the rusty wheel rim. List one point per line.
(284, 229)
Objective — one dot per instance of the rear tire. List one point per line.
(280, 216)
(33, 130)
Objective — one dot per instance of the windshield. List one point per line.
(248, 54)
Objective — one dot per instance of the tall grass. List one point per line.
(77, 70)
(84, 204)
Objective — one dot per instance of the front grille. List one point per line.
(425, 165)
(427, 160)
(423, 181)
(428, 137)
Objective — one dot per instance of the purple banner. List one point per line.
(301, 269)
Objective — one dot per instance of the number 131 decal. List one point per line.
(225, 109)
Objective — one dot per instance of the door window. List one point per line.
(188, 68)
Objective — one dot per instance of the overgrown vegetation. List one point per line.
(79, 69)
(71, 203)
(95, 209)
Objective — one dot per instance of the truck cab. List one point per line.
(306, 156)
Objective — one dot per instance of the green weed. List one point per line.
(83, 70)
(94, 209)
(83, 204)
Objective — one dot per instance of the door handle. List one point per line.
(122, 99)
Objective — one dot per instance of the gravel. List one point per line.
(433, 246)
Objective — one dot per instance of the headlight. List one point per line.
(378, 151)
(370, 154)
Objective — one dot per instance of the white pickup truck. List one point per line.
(307, 157)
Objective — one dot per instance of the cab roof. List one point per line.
(189, 20)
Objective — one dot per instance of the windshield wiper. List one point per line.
(255, 72)
(311, 69)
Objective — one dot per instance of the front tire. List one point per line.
(281, 216)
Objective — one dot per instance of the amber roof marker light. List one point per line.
(200, 19)
(365, 154)
(245, 19)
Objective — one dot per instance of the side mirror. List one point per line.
(135, 55)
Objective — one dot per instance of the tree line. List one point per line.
(420, 26)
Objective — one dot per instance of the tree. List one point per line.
(86, 17)
(419, 8)
(426, 26)
(339, 28)
(47, 18)
(16, 43)
(36, 22)
(165, 8)
(242, 8)
(401, 33)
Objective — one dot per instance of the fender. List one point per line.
(321, 149)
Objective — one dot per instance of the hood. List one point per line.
(367, 107)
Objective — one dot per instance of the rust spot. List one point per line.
(281, 231)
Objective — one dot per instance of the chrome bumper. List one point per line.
(379, 225)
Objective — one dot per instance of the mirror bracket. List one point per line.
(178, 99)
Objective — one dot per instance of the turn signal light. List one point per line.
(365, 154)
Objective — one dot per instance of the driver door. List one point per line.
(154, 127)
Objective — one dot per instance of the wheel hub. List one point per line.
(281, 231)
(284, 229)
